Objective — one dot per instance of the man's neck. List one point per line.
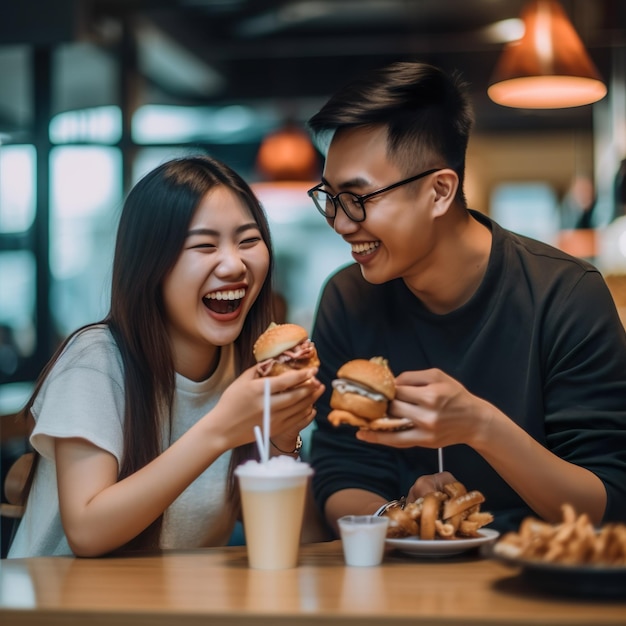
(456, 267)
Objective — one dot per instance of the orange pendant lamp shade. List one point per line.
(548, 68)
(287, 154)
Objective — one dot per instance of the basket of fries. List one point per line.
(572, 557)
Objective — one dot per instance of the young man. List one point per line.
(508, 353)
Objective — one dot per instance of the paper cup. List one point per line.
(363, 539)
(272, 498)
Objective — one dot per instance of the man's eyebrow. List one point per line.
(214, 233)
(357, 182)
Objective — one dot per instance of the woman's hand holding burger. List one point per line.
(280, 350)
(240, 407)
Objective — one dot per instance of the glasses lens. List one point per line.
(352, 206)
(323, 202)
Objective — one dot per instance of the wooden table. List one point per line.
(215, 586)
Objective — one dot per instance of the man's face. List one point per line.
(396, 239)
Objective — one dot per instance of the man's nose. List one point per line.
(342, 224)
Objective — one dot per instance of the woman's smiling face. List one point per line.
(214, 282)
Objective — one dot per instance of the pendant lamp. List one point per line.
(287, 154)
(548, 68)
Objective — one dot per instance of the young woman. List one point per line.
(142, 417)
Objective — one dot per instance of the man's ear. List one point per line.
(445, 185)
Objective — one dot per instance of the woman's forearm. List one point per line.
(100, 514)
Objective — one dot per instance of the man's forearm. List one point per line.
(541, 478)
(351, 502)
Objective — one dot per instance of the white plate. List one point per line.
(441, 547)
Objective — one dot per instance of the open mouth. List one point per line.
(223, 302)
(365, 248)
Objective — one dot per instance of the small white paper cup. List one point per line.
(363, 539)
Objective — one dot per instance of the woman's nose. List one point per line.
(230, 264)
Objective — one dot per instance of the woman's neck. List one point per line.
(196, 366)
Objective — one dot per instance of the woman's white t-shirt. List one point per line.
(83, 396)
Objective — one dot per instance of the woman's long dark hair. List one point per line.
(151, 234)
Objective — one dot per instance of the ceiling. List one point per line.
(299, 51)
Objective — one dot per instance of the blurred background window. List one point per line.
(86, 197)
(17, 188)
(529, 208)
(187, 124)
(17, 264)
(94, 125)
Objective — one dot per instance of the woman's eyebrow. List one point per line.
(214, 233)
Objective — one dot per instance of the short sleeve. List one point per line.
(83, 396)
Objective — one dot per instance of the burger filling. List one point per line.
(298, 357)
(348, 386)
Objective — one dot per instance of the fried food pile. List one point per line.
(574, 541)
(453, 513)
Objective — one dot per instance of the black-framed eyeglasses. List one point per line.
(353, 204)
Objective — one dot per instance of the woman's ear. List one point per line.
(445, 185)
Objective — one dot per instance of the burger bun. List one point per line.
(373, 373)
(337, 417)
(361, 395)
(284, 347)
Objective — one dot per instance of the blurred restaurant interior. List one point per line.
(93, 93)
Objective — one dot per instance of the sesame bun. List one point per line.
(283, 347)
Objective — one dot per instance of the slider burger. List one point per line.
(361, 395)
(283, 347)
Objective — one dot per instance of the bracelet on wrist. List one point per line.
(296, 450)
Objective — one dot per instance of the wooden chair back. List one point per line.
(14, 484)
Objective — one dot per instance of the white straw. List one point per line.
(440, 456)
(266, 419)
(259, 442)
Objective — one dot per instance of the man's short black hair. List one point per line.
(427, 113)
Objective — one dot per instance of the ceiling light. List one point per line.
(548, 68)
(503, 31)
(287, 154)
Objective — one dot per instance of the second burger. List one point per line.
(361, 395)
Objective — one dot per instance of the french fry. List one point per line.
(401, 524)
(574, 541)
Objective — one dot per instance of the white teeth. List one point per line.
(365, 248)
(232, 294)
